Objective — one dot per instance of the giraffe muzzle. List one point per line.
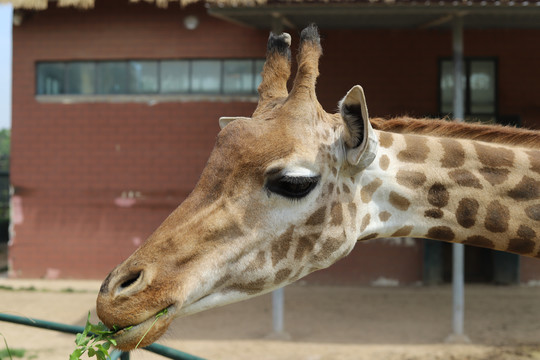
(134, 302)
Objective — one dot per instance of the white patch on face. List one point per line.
(299, 172)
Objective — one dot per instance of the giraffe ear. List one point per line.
(224, 120)
(360, 139)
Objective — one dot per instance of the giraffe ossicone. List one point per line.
(293, 188)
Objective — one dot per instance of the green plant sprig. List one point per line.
(158, 315)
(7, 347)
(95, 339)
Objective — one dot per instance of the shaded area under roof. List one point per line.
(405, 14)
(343, 14)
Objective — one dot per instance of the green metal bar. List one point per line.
(171, 353)
(117, 354)
(74, 329)
(71, 329)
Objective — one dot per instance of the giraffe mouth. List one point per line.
(145, 332)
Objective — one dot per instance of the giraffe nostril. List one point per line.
(130, 280)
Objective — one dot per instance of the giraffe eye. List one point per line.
(292, 187)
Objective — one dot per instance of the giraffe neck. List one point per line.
(453, 190)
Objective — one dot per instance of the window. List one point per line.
(51, 78)
(80, 78)
(237, 76)
(212, 76)
(174, 76)
(480, 86)
(206, 77)
(112, 77)
(143, 77)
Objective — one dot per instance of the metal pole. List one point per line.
(458, 251)
(277, 310)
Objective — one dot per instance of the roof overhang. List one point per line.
(414, 15)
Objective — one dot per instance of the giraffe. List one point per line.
(292, 189)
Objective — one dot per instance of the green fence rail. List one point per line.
(73, 329)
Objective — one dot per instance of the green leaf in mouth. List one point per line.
(158, 315)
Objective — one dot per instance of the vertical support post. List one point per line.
(457, 49)
(278, 297)
(278, 307)
(458, 251)
(277, 23)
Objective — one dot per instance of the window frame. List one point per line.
(467, 61)
(129, 86)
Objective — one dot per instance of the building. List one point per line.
(116, 107)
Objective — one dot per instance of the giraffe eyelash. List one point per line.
(292, 187)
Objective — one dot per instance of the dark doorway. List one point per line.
(481, 265)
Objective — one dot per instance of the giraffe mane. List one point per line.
(475, 131)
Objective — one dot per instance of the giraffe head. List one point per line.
(268, 209)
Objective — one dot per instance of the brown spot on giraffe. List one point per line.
(411, 179)
(438, 195)
(497, 217)
(416, 151)
(180, 263)
(366, 193)
(346, 189)
(527, 189)
(534, 159)
(494, 156)
(281, 246)
(384, 162)
(231, 230)
(533, 212)
(298, 274)
(465, 178)
(404, 231)
(478, 240)
(520, 246)
(526, 232)
(495, 176)
(330, 189)
(384, 216)
(524, 244)
(305, 245)
(454, 154)
(222, 281)
(433, 213)
(336, 214)
(365, 222)
(369, 237)
(169, 245)
(252, 287)
(317, 217)
(258, 262)
(466, 212)
(398, 201)
(282, 275)
(386, 139)
(329, 247)
(441, 233)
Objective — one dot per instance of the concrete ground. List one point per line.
(324, 323)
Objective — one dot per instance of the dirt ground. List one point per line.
(324, 323)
